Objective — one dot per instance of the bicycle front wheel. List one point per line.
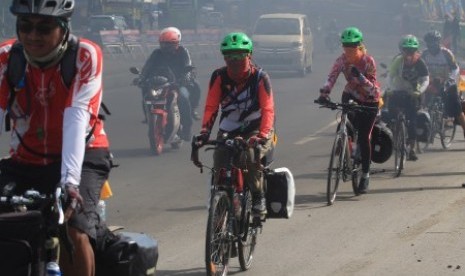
(218, 243)
(447, 131)
(248, 239)
(336, 168)
(400, 149)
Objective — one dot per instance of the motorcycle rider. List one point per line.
(57, 136)
(244, 94)
(176, 57)
(359, 70)
(408, 79)
(443, 67)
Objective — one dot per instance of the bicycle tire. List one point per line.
(356, 175)
(217, 242)
(400, 148)
(335, 168)
(447, 132)
(248, 239)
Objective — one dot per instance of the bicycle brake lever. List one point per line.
(58, 206)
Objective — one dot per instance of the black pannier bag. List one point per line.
(21, 237)
(423, 126)
(128, 254)
(381, 143)
(280, 193)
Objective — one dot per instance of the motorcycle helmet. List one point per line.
(381, 143)
(236, 41)
(170, 34)
(351, 36)
(409, 42)
(53, 8)
(169, 39)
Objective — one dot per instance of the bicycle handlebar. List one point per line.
(351, 105)
(235, 144)
(32, 198)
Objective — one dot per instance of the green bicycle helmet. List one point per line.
(236, 42)
(351, 35)
(409, 42)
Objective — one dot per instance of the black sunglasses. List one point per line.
(27, 27)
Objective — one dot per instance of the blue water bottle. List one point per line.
(53, 269)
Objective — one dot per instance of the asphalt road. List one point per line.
(412, 225)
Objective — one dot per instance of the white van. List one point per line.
(283, 42)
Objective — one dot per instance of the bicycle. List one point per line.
(31, 226)
(344, 161)
(442, 126)
(231, 226)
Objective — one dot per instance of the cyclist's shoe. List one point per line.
(412, 156)
(363, 185)
(259, 204)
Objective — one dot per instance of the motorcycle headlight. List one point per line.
(156, 92)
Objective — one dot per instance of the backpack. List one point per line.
(16, 73)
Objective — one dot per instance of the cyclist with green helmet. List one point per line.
(359, 70)
(243, 93)
(408, 80)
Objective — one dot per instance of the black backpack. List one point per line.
(16, 73)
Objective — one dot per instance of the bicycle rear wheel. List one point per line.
(447, 132)
(248, 239)
(218, 243)
(336, 168)
(400, 148)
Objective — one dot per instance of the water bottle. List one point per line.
(53, 269)
(101, 209)
(237, 205)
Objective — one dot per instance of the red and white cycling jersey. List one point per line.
(39, 107)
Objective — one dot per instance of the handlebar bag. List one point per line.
(280, 193)
(21, 237)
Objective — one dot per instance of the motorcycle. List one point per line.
(160, 103)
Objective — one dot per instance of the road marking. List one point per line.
(314, 136)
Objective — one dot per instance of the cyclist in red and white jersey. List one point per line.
(57, 136)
